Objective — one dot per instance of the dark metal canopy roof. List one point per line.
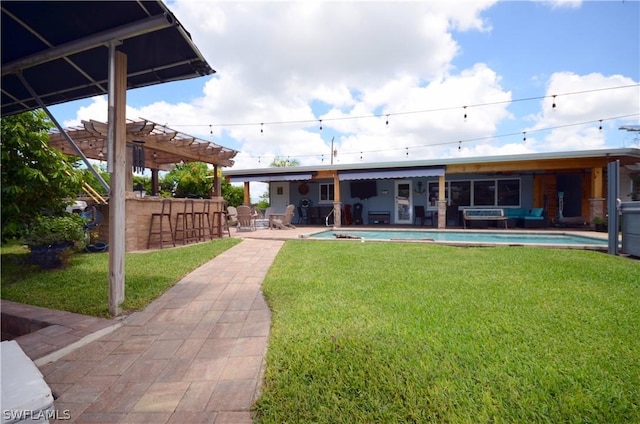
(61, 48)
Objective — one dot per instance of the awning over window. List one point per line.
(269, 178)
(376, 174)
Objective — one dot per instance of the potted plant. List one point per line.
(52, 238)
(600, 224)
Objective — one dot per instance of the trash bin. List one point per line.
(26, 397)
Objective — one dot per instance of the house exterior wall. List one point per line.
(384, 201)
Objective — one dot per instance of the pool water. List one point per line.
(467, 237)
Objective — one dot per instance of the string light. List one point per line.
(524, 133)
(210, 129)
(387, 123)
(476, 139)
(600, 127)
(465, 114)
(307, 121)
(407, 151)
(261, 127)
(320, 124)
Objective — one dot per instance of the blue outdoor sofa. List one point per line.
(526, 218)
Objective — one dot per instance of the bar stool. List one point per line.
(203, 221)
(185, 224)
(165, 214)
(220, 224)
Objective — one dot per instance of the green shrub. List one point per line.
(52, 230)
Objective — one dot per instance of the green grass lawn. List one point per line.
(83, 287)
(386, 333)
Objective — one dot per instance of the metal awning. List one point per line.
(269, 178)
(375, 174)
(61, 49)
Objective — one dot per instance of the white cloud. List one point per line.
(289, 64)
(561, 4)
(275, 59)
(595, 100)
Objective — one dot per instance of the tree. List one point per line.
(279, 162)
(192, 179)
(263, 203)
(232, 194)
(35, 177)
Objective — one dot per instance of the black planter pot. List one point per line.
(51, 257)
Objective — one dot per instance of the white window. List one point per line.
(326, 193)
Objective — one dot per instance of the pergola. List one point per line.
(162, 145)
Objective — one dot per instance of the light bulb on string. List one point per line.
(553, 106)
(360, 155)
(259, 159)
(465, 114)
(210, 129)
(322, 158)
(600, 127)
(387, 122)
(459, 145)
(406, 151)
(261, 127)
(524, 138)
(320, 124)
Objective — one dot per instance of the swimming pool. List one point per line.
(470, 237)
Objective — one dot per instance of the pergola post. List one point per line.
(155, 182)
(597, 203)
(117, 129)
(217, 186)
(247, 193)
(337, 202)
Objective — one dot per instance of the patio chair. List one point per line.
(246, 219)
(283, 221)
(232, 216)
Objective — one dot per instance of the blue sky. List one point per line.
(419, 63)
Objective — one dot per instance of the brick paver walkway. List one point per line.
(195, 355)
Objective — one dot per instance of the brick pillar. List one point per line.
(337, 214)
(442, 214)
(597, 208)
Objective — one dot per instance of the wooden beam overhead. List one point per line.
(529, 165)
(163, 146)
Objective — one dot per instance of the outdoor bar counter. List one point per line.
(138, 212)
